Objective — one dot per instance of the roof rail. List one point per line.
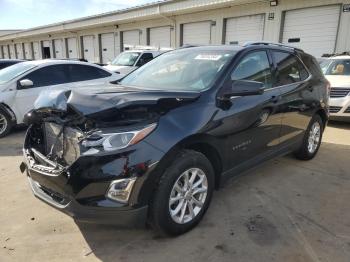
(272, 44)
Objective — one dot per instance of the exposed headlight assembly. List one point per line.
(116, 141)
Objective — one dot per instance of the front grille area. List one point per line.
(347, 110)
(339, 92)
(334, 109)
(62, 144)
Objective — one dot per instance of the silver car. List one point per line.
(337, 71)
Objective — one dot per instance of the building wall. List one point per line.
(223, 9)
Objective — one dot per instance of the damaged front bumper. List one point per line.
(80, 189)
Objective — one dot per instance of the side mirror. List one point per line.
(244, 88)
(25, 83)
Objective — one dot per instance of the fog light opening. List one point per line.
(120, 190)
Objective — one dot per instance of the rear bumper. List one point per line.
(135, 217)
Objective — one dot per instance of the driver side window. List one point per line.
(255, 67)
(48, 76)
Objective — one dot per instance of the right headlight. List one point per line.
(115, 141)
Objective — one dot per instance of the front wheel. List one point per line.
(6, 123)
(312, 139)
(183, 194)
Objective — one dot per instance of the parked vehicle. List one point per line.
(155, 147)
(9, 62)
(337, 71)
(21, 84)
(130, 60)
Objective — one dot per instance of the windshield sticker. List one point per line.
(208, 57)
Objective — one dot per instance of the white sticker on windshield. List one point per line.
(208, 57)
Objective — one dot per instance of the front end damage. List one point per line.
(86, 155)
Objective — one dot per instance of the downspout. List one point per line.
(172, 20)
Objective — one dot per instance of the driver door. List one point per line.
(42, 78)
(253, 121)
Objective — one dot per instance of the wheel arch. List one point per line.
(8, 110)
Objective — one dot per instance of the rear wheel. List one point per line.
(5, 123)
(183, 194)
(312, 139)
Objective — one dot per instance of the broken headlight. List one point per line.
(115, 141)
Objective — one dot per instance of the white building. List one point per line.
(317, 26)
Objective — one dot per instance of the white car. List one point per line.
(20, 85)
(337, 71)
(130, 60)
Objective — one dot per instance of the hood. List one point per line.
(94, 104)
(123, 70)
(338, 80)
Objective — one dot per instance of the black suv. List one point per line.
(153, 147)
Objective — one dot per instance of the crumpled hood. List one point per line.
(92, 103)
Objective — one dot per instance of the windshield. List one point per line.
(336, 67)
(187, 69)
(11, 72)
(126, 59)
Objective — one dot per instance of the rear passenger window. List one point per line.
(85, 72)
(255, 67)
(289, 69)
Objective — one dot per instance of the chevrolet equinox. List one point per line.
(152, 148)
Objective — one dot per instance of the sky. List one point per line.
(23, 14)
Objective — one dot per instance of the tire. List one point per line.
(306, 150)
(6, 123)
(191, 163)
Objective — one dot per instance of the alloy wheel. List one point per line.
(188, 195)
(3, 123)
(314, 137)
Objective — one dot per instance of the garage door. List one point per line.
(72, 47)
(36, 50)
(131, 39)
(312, 29)
(5, 51)
(107, 47)
(160, 36)
(58, 43)
(19, 51)
(88, 48)
(243, 29)
(28, 51)
(197, 33)
(12, 51)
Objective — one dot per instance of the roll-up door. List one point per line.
(36, 50)
(12, 52)
(28, 51)
(131, 39)
(107, 47)
(312, 29)
(89, 48)
(244, 29)
(197, 33)
(5, 50)
(19, 51)
(72, 47)
(58, 43)
(160, 36)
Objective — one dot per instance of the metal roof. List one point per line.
(151, 10)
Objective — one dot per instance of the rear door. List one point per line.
(84, 75)
(298, 95)
(254, 122)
